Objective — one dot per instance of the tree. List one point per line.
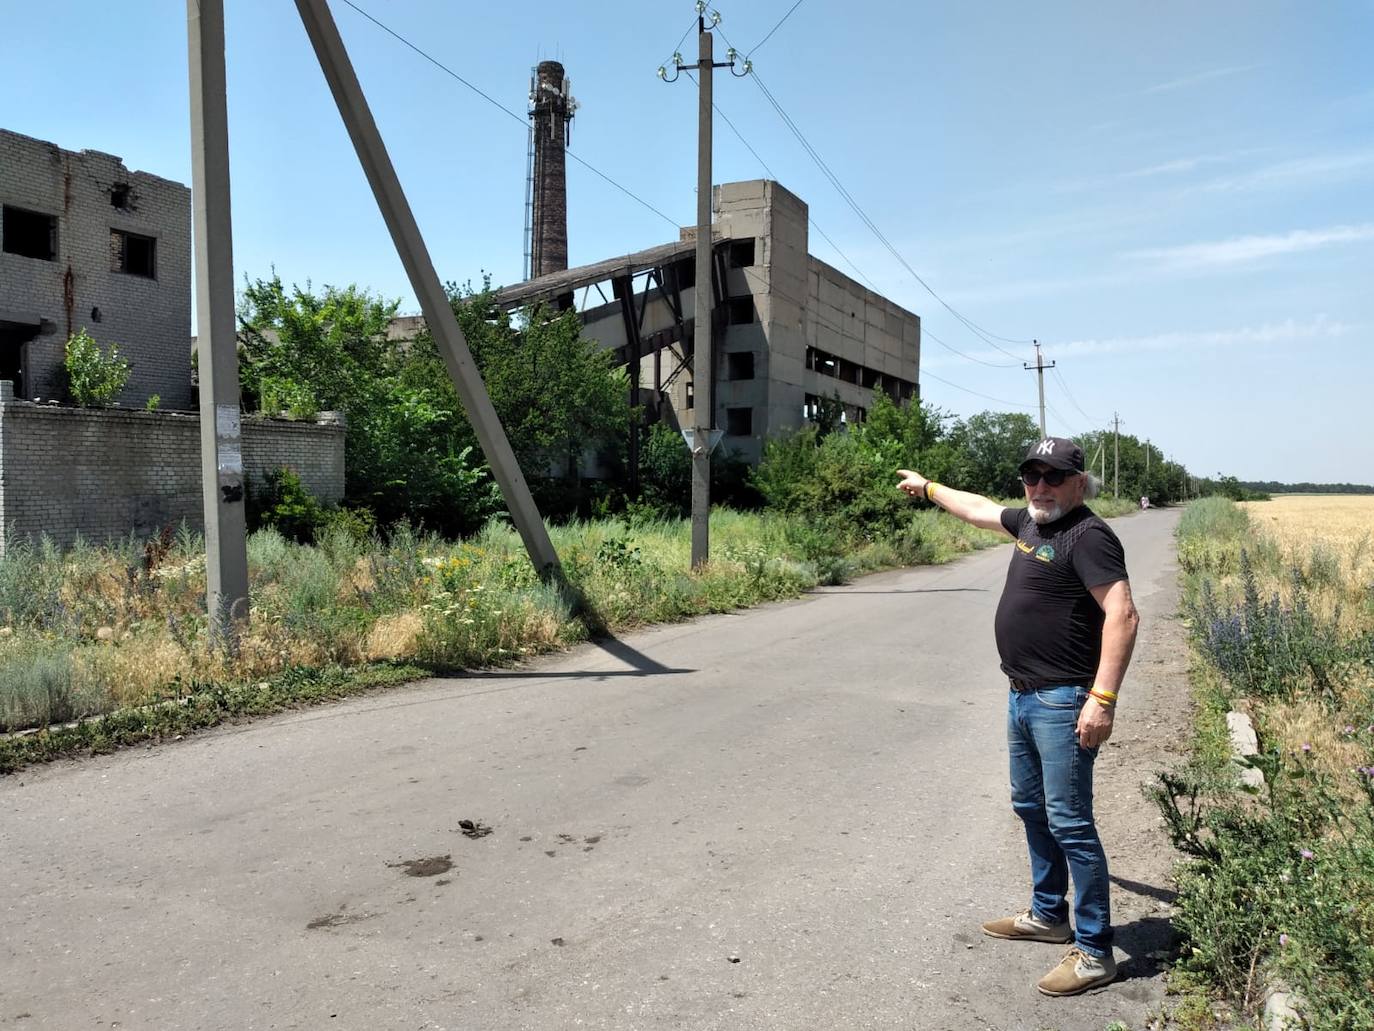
(410, 450)
(991, 447)
(94, 377)
(557, 393)
(407, 453)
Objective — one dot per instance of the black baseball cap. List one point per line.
(1057, 453)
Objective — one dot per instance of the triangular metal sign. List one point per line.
(713, 436)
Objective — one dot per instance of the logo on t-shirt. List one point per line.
(1045, 553)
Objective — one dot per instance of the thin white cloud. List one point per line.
(1200, 77)
(1297, 172)
(1320, 327)
(1251, 248)
(1181, 165)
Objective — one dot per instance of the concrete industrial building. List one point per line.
(789, 329)
(85, 243)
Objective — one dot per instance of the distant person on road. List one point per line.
(1144, 502)
(1065, 630)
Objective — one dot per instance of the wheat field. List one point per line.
(1340, 524)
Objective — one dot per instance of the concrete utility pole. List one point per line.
(704, 435)
(1116, 457)
(703, 356)
(221, 453)
(405, 233)
(1039, 368)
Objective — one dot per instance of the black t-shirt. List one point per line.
(1049, 627)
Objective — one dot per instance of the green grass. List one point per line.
(1277, 882)
(116, 638)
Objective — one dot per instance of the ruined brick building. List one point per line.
(85, 243)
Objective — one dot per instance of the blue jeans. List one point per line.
(1052, 792)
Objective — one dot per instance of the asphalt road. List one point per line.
(790, 817)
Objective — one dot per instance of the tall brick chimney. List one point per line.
(551, 110)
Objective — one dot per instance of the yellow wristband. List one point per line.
(930, 490)
(1102, 692)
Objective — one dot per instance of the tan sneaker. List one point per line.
(1077, 972)
(1028, 927)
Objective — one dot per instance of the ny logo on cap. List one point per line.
(1046, 448)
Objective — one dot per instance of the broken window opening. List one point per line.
(132, 254)
(739, 422)
(740, 311)
(741, 254)
(740, 364)
(29, 234)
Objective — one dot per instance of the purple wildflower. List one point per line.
(1306, 747)
(1306, 854)
(1349, 729)
(1283, 939)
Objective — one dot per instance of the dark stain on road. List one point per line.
(430, 866)
(473, 829)
(338, 919)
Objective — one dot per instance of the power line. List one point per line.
(924, 332)
(849, 199)
(872, 226)
(522, 119)
(1069, 394)
(771, 175)
(678, 49)
(966, 390)
(967, 357)
(772, 30)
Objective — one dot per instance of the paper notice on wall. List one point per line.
(230, 458)
(227, 423)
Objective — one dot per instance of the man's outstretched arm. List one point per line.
(971, 508)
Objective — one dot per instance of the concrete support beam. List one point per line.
(405, 233)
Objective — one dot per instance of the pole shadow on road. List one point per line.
(641, 666)
(912, 590)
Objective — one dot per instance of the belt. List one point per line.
(1026, 687)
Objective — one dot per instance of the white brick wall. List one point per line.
(104, 473)
(150, 319)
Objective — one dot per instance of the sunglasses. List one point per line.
(1054, 477)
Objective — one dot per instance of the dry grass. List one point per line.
(394, 637)
(1343, 524)
(1331, 539)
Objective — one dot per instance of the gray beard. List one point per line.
(1042, 515)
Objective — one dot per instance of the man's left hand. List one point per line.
(1094, 724)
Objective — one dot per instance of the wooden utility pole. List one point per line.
(1039, 368)
(221, 452)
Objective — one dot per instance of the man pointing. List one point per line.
(1065, 629)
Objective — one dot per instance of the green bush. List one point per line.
(94, 377)
(283, 503)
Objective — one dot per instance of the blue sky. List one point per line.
(1174, 198)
